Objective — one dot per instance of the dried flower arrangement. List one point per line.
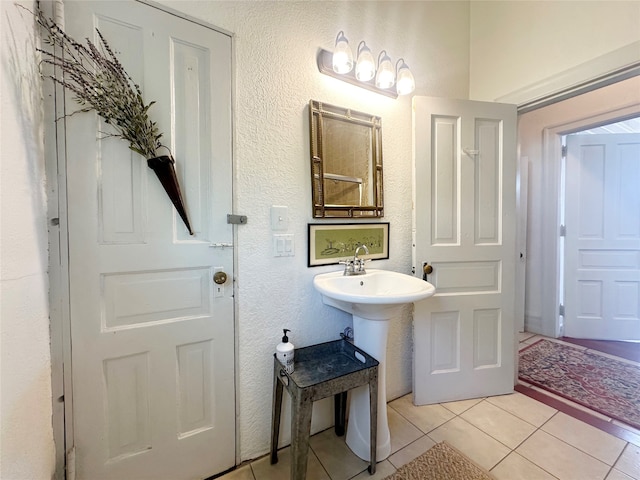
(98, 82)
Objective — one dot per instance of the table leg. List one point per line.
(276, 412)
(340, 407)
(300, 431)
(373, 408)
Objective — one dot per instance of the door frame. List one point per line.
(57, 219)
(551, 321)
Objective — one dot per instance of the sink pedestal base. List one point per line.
(373, 299)
(370, 336)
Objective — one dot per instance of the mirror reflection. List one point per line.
(346, 162)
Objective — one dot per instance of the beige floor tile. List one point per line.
(530, 341)
(425, 417)
(591, 440)
(516, 467)
(523, 336)
(629, 461)
(383, 470)
(411, 451)
(263, 470)
(471, 441)
(335, 456)
(524, 407)
(402, 431)
(618, 475)
(242, 473)
(461, 405)
(560, 459)
(500, 424)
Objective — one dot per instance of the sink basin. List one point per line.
(376, 287)
(376, 295)
(373, 299)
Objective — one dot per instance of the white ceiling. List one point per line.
(628, 126)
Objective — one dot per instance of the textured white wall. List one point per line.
(518, 43)
(25, 411)
(276, 76)
(513, 44)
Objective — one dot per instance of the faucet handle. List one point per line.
(359, 265)
(348, 265)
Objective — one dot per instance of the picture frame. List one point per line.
(331, 242)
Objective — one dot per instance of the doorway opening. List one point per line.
(540, 135)
(599, 275)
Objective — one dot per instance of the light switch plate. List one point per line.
(283, 245)
(279, 218)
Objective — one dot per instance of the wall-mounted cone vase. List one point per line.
(164, 168)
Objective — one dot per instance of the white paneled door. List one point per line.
(465, 226)
(152, 335)
(602, 244)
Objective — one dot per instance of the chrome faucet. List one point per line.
(355, 265)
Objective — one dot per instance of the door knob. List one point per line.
(426, 270)
(220, 278)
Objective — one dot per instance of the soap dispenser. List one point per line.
(284, 352)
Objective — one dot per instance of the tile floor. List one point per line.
(513, 436)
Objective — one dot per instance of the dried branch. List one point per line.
(98, 82)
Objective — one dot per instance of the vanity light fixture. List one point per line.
(405, 83)
(365, 65)
(342, 56)
(386, 76)
(339, 64)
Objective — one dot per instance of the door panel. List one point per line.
(122, 177)
(602, 244)
(152, 340)
(464, 187)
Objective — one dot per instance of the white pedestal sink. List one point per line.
(373, 299)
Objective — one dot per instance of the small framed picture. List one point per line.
(331, 242)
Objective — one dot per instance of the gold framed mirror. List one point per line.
(346, 162)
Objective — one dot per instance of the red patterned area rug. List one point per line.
(600, 383)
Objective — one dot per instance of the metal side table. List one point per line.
(322, 370)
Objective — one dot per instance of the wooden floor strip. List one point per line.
(627, 350)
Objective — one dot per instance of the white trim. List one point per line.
(552, 156)
(601, 71)
(184, 16)
(59, 319)
(521, 237)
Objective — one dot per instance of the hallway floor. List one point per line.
(513, 436)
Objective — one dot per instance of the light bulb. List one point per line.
(406, 84)
(342, 56)
(365, 66)
(386, 77)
